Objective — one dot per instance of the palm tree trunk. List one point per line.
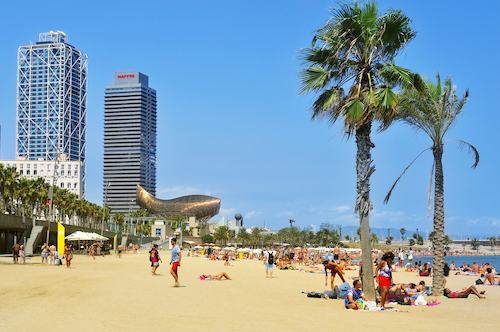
(364, 170)
(438, 241)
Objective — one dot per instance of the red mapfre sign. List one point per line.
(126, 76)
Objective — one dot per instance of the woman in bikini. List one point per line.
(217, 277)
(384, 276)
(68, 254)
(463, 294)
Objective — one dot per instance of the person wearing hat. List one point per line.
(384, 276)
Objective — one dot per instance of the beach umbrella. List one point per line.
(77, 236)
(198, 247)
(95, 236)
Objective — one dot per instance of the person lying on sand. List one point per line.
(415, 289)
(217, 277)
(463, 294)
(409, 300)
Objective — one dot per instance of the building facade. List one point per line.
(329, 226)
(129, 140)
(52, 102)
(68, 174)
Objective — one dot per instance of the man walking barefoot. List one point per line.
(175, 261)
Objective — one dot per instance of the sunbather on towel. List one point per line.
(463, 294)
(217, 277)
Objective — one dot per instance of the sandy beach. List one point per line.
(120, 294)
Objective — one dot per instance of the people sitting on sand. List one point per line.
(283, 265)
(334, 270)
(452, 266)
(475, 267)
(397, 289)
(489, 276)
(464, 293)
(465, 268)
(352, 296)
(426, 270)
(217, 277)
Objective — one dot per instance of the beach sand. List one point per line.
(115, 294)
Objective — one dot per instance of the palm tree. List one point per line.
(434, 111)
(403, 232)
(358, 46)
(221, 233)
(374, 239)
(492, 240)
(243, 236)
(256, 235)
(119, 218)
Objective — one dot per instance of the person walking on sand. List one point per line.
(68, 254)
(52, 249)
(175, 261)
(155, 258)
(15, 252)
(269, 262)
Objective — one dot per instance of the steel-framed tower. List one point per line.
(129, 140)
(51, 101)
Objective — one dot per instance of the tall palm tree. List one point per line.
(403, 232)
(243, 236)
(434, 111)
(357, 47)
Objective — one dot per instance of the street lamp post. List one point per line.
(291, 229)
(51, 196)
(104, 206)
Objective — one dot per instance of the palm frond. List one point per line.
(388, 196)
(470, 150)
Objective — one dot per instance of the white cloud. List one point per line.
(228, 212)
(182, 191)
(341, 208)
(252, 214)
(286, 214)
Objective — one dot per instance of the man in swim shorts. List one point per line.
(45, 253)
(175, 261)
(353, 294)
(15, 252)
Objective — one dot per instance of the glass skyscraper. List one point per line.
(129, 140)
(51, 101)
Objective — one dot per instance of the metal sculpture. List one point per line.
(200, 206)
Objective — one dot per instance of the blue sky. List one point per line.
(231, 122)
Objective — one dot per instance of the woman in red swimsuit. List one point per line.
(384, 276)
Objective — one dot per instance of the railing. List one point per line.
(39, 234)
(27, 232)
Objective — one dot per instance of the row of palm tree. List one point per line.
(30, 198)
(351, 65)
(260, 237)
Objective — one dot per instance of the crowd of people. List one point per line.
(334, 263)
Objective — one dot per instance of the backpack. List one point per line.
(270, 258)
